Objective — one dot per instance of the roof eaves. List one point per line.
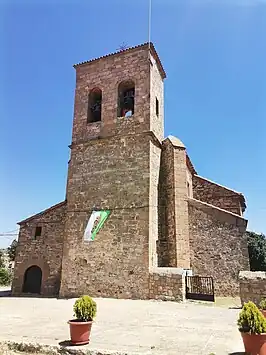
(201, 203)
(60, 204)
(162, 71)
(242, 197)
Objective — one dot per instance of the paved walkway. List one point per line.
(135, 327)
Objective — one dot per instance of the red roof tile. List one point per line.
(144, 45)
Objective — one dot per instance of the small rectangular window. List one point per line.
(38, 232)
(188, 189)
(157, 107)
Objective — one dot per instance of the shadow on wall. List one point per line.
(6, 292)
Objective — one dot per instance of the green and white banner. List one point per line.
(95, 223)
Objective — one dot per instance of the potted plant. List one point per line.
(80, 328)
(252, 326)
(262, 306)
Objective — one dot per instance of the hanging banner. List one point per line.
(95, 223)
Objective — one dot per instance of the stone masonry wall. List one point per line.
(162, 246)
(114, 165)
(219, 196)
(173, 244)
(166, 246)
(167, 284)
(112, 173)
(157, 91)
(252, 286)
(46, 251)
(181, 208)
(189, 183)
(218, 246)
(115, 264)
(155, 157)
(106, 74)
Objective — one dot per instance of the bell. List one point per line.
(128, 102)
(96, 107)
(129, 94)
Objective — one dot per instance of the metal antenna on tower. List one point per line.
(149, 31)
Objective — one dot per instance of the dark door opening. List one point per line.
(32, 280)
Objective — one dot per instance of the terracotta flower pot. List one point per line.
(80, 332)
(255, 344)
(263, 311)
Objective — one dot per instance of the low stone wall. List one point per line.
(252, 286)
(41, 349)
(167, 284)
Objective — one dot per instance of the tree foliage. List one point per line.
(257, 251)
(11, 250)
(5, 277)
(1, 259)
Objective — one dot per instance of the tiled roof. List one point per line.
(144, 45)
(42, 212)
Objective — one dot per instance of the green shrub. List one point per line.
(5, 277)
(262, 304)
(2, 264)
(85, 309)
(251, 319)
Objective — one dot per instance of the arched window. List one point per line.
(126, 98)
(95, 106)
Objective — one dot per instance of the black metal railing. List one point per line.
(200, 288)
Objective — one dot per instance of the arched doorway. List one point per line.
(32, 280)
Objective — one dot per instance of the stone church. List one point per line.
(162, 219)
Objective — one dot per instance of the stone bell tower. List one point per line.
(114, 165)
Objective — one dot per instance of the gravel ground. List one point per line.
(131, 326)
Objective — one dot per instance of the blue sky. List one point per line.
(214, 53)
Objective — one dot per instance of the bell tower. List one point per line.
(120, 93)
(115, 162)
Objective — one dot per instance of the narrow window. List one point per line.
(157, 107)
(188, 189)
(94, 106)
(126, 99)
(38, 232)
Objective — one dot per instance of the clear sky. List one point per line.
(214, 53)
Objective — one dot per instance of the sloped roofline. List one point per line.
(60, 204)
(202, 204)
(190, 165)
(242, 197)
(213, 182)
(144, 45)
